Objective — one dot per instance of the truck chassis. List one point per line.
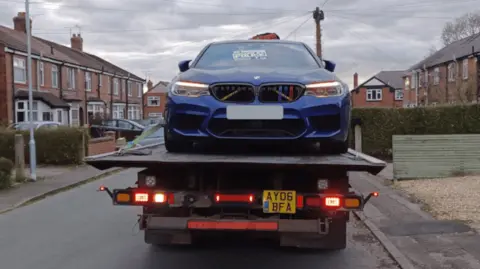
(301, 201)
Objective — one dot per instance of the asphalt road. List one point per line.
(81, 229)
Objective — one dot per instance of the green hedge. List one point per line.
(60, 146)
(379, 124)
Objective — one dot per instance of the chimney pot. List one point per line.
(355, 80)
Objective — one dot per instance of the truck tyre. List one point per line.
(337, 236)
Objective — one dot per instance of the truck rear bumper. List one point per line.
(317, 226)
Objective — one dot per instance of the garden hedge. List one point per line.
(379, 124)
(60, 146)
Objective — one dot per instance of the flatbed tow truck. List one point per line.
(300, 200)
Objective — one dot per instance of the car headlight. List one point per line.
(325, 89)
(189, 89)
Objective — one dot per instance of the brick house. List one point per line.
(384, 89)
(449, 76)
(155, 99)
(69, 84)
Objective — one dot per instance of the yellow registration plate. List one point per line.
(282, 202)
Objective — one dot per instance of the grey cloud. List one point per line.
(363, 36)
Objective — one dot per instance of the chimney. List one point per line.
(19, 23)
(355, 80)
(149, 85)
(76, 42)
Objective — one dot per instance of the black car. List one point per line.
(122, 128)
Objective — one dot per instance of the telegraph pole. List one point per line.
(318, 16)
(33, 155)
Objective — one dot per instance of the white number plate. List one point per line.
(254, 112)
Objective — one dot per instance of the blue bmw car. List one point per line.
(257, 90)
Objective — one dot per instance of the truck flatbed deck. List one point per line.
(351, 161)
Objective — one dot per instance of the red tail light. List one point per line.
(229, 198)
(313, 201)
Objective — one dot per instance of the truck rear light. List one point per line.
(352, 203)
(141, 197)
(332, 202)
(232, 198)
(159, 198)
(313, 201)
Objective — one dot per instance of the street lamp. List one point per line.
(33, 155)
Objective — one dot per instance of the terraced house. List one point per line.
(448, 76)
(70, 85)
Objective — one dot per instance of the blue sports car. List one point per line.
(262, 90)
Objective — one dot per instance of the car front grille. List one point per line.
(257, 128)
(280, 93)
(235, 93)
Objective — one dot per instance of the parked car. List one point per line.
(122, 128)
(155, 137)
(263, 90)
(24, 126)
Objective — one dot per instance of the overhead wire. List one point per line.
(298, 27)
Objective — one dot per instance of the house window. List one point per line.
(407, 83)
(374, 94)
(41, 74)
(47, 116)
(139, 89)
(451, 72)
(153, 101)
(95, 110)
(19, 70)
(154, 115)
(414, 80)
(115, 86)
(465, 69)
(59, 116)
(88, 81)
(100, 77)
(133, 112)
(436, 76)
(118, 111)
(398, 95)
(426, 78)
(23, 113)
(54, 76)
(70, 78)
(129, 88)
(108, 85)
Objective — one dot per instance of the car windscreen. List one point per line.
(257, 54)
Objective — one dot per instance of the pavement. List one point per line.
(81, 229)
(50, 179)
(423, 240)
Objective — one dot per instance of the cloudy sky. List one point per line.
(149, 37)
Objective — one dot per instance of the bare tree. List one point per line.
(463, 26)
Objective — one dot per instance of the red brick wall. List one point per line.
(154, 109)
(388, 99)
(101, 145)
(77, 93)
(446, 91)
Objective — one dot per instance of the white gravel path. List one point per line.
(448, 198)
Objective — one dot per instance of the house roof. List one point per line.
(16, 40)
(48, 98)
(392, 78)
(160, 87)
(456, 50)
